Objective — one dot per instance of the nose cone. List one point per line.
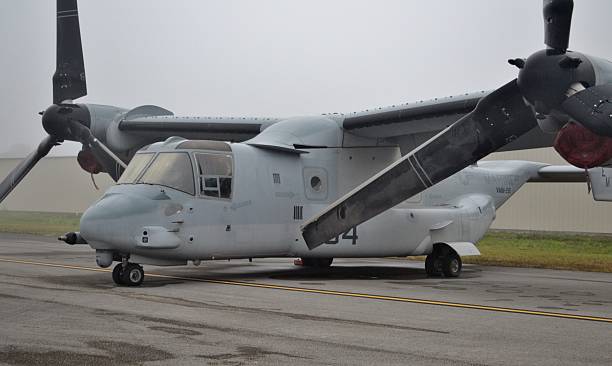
(111, 222)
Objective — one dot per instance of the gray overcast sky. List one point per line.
(273, 57)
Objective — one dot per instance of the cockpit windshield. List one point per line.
(136, 166)
(171, 169)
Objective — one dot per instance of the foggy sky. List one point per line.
(273, 58)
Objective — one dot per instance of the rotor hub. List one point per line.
(548, 75)
(62, 121)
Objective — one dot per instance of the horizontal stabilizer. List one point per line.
(559, 174)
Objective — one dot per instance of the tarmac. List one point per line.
(57, 307)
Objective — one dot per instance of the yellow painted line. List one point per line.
(336, 293)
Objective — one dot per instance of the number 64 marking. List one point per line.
(350, 234)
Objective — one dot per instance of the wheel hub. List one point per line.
(135, 275)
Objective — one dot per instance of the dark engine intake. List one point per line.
(581, 147)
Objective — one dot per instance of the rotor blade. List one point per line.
(69, 78)
(557, 23)
(20, 171)
(498, 119)
(592, 108)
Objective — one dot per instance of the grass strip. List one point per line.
(38, 223)
(583, 252)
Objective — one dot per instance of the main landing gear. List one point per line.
(443, 261)
(314, 262)
(128, 274)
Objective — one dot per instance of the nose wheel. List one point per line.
(131, 274)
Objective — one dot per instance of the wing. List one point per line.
(155, 123)
(411, 124)
(418, 117)
(198, 128)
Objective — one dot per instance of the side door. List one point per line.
(214, 191)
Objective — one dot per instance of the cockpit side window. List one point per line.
(171, 169)
(215, 174)
(135, 167)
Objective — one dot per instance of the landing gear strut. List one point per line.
(128, 274)
(443, 261)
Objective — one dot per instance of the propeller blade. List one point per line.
(24, 167)
(557, 23)
(498, 119)
(592, 108)
(69, 78)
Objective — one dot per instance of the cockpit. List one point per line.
(203, 168)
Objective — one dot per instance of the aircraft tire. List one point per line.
(432, 265)
(324, 262)
(133, 275)
(118, 274)
(317, 262)
(451, 265)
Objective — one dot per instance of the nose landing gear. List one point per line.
(128, 274)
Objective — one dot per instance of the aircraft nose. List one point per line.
(112, 219)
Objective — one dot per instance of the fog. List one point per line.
(272, 58)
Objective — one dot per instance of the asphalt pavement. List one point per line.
(57, 307)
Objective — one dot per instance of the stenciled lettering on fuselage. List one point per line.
(504, 190)
(350, 234)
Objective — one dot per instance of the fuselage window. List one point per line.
(135, 167)
(215, 172)
(171, 169)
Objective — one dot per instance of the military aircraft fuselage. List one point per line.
(183, 200)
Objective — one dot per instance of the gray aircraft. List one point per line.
(192, 200)
(337, 171)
